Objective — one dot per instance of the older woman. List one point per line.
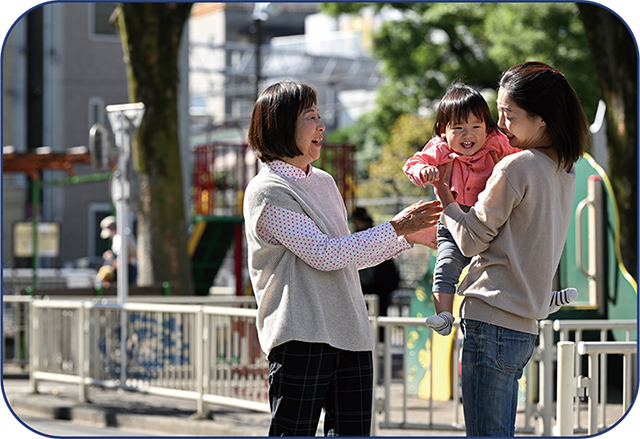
(515, 234)
(303, 262)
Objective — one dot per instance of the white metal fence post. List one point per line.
(387, 373)
(376, 350)
(566, 388)
(33, 345)
(593, 393)
(546, 375)
(199, 344)
(82, 323)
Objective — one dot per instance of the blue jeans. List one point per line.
(449, 262)
(493, 359)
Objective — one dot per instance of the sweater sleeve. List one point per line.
(474, 231)
(435, 153)
(300, 235)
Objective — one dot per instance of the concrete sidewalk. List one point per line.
(156, 415)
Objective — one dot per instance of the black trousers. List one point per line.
(304, 378)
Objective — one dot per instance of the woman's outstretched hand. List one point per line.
(416, 217)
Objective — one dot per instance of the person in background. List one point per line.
(106, 276)
(515, 234)
(112, 256)
(382, 279)
(303, 262)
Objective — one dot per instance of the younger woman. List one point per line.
(515, 234)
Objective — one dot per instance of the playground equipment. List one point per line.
(32, 164)
(221, 174)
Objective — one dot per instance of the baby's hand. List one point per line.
(430, 174)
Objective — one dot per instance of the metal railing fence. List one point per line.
(582, 331)
(543, 362)
(205, 353)
(211, 354)
(573, 387)
(399, 326)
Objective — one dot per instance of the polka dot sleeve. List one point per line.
(300, 235)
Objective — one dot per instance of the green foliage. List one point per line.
(436, 43)
(408, 135)
(335, 9)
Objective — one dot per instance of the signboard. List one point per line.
(48, 239)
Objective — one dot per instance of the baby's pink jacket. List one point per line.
(470, 172)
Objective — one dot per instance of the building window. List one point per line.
(100, 26)
(96, 111)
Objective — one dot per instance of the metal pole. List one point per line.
(122, 282)
(546, 375)
(199, 354)
(376, 371)
(258, 61)
(82, 326)
(34, 346)
(35, 206)
(387, 373)
(603, 380)
(124, 120)
(592, 406)
(566, 387)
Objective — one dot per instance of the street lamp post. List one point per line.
(261, 13)
(258, 54)
(125, 120)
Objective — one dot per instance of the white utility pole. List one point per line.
(125, 120)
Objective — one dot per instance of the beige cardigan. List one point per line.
(515, 234)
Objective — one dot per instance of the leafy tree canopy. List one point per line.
(433, 44)
(386, 178)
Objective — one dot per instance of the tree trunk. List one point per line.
(150, 34)
(615, 57)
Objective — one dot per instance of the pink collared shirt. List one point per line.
(470, 172)
(298, 232)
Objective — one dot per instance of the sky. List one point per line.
(13, 11)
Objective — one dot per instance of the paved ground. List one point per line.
(152, 415)
(157, 415)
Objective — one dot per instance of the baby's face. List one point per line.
(468, 137)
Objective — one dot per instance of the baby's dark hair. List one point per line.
(458, 103)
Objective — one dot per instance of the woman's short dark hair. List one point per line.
(458, 102)
(272, 130)
(543, 91)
